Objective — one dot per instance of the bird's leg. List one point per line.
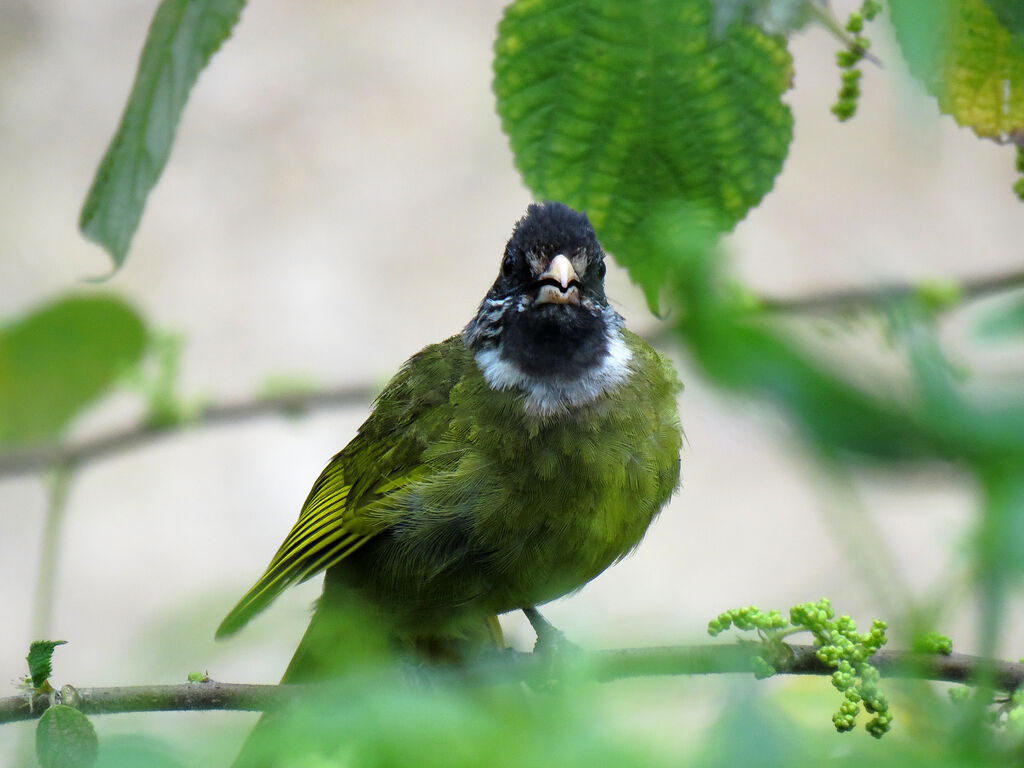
(550, 641)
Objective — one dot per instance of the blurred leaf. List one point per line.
(614, 106)
(1002, 526)
(387, 723)
(967, 59)
(59, 359)
(65, 739)
(1011, 15)
(1004, 320)
(739, 351)
(135, 751)
(40, 654)
(182, 38)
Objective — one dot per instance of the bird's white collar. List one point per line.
(547, 397)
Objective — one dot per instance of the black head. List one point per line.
(547, 313)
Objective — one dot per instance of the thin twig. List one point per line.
(75, 455)
(603, 666)
(827, 19)
(49, 556)
(845, 300)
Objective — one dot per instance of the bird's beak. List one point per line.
(558, 283)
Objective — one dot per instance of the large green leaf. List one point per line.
(614, 106)
(60, 358)
(65, 739)
(182, 38)
(968, 58)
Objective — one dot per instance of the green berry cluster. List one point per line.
(849, 60)
(839, 645)
(746, 619)
(767, 625)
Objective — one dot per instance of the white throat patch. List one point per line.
(555, 397)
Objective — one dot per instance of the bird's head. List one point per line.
(546, 323)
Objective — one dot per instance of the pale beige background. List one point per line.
(338, 197)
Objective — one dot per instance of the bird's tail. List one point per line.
(344, 644)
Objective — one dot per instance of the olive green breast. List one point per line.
(507, 509)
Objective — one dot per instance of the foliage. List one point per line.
(839, 645)
(610, 126)
(970, 55)
(40, 655)
(88, 341)
(182, 38)
(65, 739)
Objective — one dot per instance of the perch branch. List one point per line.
(603, 666)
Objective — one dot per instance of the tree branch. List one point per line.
(603, 666)
(848, 299)
(74, 455)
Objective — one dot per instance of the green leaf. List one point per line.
(59, 359)
(66, 739)
(968, 59)
(615, 106)
(182, 38)
(1005, 320)
(1010, 14)
(40, 654)
(137, 751)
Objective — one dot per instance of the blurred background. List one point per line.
(338, 196)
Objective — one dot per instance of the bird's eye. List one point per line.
(601, 269)
(508, 266)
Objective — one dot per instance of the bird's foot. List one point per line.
(551, 642)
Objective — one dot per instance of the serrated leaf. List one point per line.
(65, 739)
(614, 106)
(968, 59)
(183, 36)
(40, 654)
(60, 358)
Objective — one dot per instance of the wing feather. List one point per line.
(411, 413)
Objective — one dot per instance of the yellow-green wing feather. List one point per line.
(320, 538)
(410, 413)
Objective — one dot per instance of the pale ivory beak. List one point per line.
(560, 270)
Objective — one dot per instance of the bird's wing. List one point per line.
(412, 412)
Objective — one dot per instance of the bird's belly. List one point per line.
(488, 537)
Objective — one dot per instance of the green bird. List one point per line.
(500, 469)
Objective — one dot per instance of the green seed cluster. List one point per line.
(932, 642)
(839, 645)
(849, 60)
(747, 619)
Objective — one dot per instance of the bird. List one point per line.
(500, 469)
